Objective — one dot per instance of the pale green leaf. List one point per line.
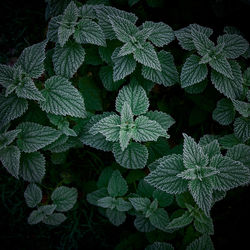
(8, 137)
(32, 195)
(202, 243)
(180, 222)
(6, 75)
(242, 107)
(107, 202)
(47, 209)
(35, 217)
(122, 205)
(54, 24)
(126, 49)
(140, 204)
(212, 149)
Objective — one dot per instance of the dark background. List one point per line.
(22, 23)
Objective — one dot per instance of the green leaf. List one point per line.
(88, 31)
(8, 137)
(123, 28)
(160, 246)
(231, 173)
(146, 55)
(165, 178)
(34, 136)
(107, 202)
(117, 185)
(10, 158)
(143, 224)
(193, 154)
(168, 75)
(197, 88)
(32, 60)
(224, 112)
(11, 107)
(47, 209)
(242, 107)
(192, 72)
(136, 97)
(32, 195)
(98, 140)
(240, 153)
(135, 156)
(109, 127)
(127, 49)
(160, 219)
(68, 59)
(202, 191)
(147, 130)
(234, 45)
(229, 141)
(212, 149)
(242, 128)
(126, 114)
(163, 198)
(165, 120)
(246, 77)
(64, 198)
(180, 222)
(115, 217)
(122, 205)
(6, 75)
(35, 217)
(93, 197)
(54, 219)
(32, 167)
(204, 224)
(62, 98)
(87, 11)
(140, 204)
(204, 242)
(123, 65)
(54, 24)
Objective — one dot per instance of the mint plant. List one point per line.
(92, 85)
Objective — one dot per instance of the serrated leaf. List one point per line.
(165, 120)
(32, 58)
(242, 128)
(242, 107)
(240, 153)
(146, 55)
(135, 156)
(32, 195)
(8, 137)
(159, 219)
(93, 197)
(197, 88)
(123, 65)
(163, 198)
(126, 49)
(11, 107)
(117, 185)
(193, 154)
(202, 191)
(192, 72)
(231, 173)
(34, 136)
(64, 198)
(54, 24)
(68, 59)
(212, 149)
(47, 209)
(234, 45)
(10, 158)
(6, 75)
(54, 219)
(109, 127)
(140, 204)
(204, 242)
(224, 112)
(229, 141)
(165, 178)
(147, 130)
(168, 75)
(136, 97)
(180, 222)
(122, 205)
(35, 217)
(62, 98)
(107, 202)
(32, 167)
(88, 31)
(143, 224)
(204, 225)
(116, 217)
(160, 246)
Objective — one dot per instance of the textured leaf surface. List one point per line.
(64, 198)
(35, 217)
(53, 27)
(34, 136)
(136, 97)
(165, 176)
(115, 217)
(6, 75)
(204, 242)
(117, 185)
(68, 59)
(93, 197)
(168, 75)
(32, 167)
(135, 156)
(242, 107)
(160, 219)
(212, 149)
(10, 158)
(140, 204)
(143, 224)
(242, 128)
(32, 195)
(224, 112)
(192, 72)
(62, 98)
(180, 222)
(160, 246)
(54, 219)
(8, 137)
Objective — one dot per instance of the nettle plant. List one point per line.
(49, 105)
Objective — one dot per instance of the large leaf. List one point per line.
(136, 97)
(32, 58)
(168, 75)
(115, 217)
(140, 204)
(34, 136)
(204, 242)
(117, 185)
(10, 158)
(8, 137)
(165, 178)
(224, 112)
(54, 24)
(242, 107)
(62, 98)
(192, 72)
(135, 156)
(64, 198)
(68, 59)
(159, 219)
(242, 128)
(32, 166)
(33, 195)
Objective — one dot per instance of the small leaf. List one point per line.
(143, 224)
(35, 217)
(64, 198)
(54, 219)
(180, 222)
(140, 204)
(204, 242)
(93, 197)
(47, 209)
(54, 24)
(117, 185)
(33, 195)
(212, 149)
(8, 137)
(116, 217)
(242, 128)
(160, 219)
(242, 107)
(160, 246)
